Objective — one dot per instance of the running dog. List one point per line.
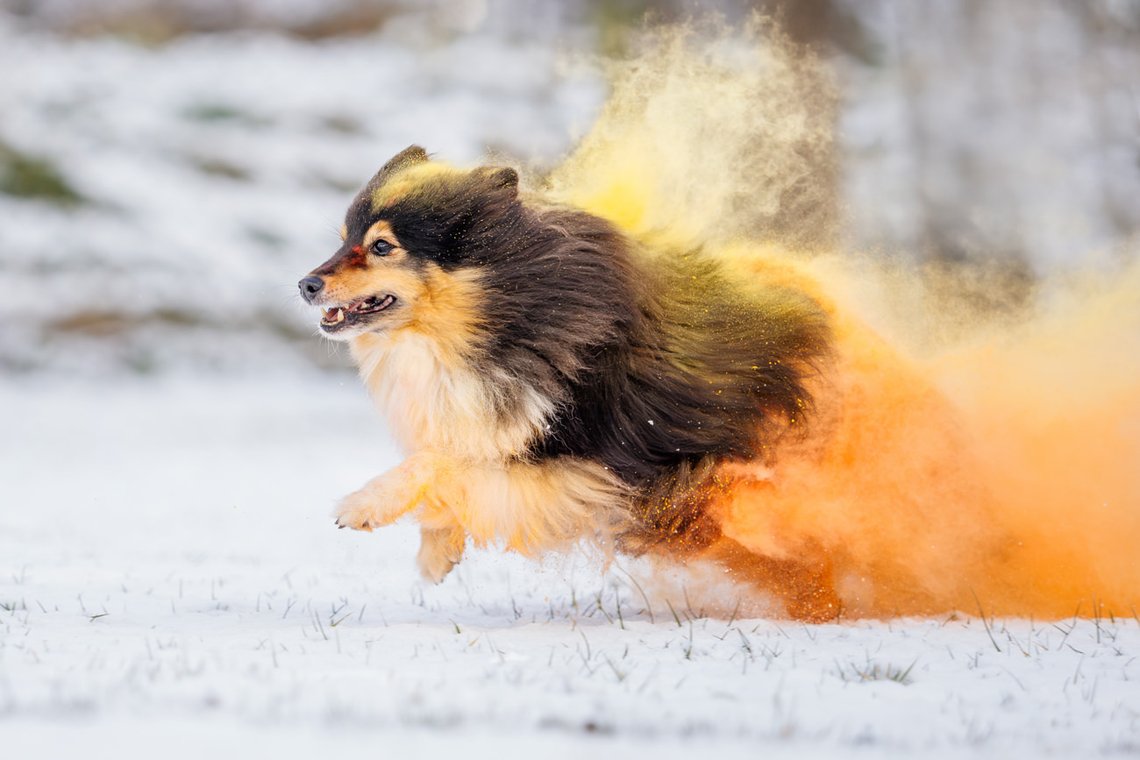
(549, 377)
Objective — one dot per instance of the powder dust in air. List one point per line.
(975, 443)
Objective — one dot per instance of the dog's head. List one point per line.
(413, 238)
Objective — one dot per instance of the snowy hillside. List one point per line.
(159, 201)
(210, 174)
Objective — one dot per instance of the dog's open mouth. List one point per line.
(335, 318)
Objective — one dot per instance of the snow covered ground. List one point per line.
(170, 582)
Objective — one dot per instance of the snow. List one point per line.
(170, 578)
(171, 581)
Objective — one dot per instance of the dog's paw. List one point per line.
(384, 499)
(440, 551)
(434, 565)
(356, 511)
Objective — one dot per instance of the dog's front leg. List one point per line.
(388, 497)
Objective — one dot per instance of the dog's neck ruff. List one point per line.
(435, 400)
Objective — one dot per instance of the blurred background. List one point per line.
(170, 168)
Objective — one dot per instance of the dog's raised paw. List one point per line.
(353, 512)
(342, 524)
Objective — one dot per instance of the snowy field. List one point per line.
(173, 435)
(170, 581)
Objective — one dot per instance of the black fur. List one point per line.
(655, 360)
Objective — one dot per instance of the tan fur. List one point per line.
(419, 376)
(381, 231)
(370, 275)
(530, 507)
(440, 550)
(466, 433)
(465, 472)
(407, 180)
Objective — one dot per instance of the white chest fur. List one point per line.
(435, 402)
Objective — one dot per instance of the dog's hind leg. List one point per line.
(440, 550)
(531, 507)
(804, 585)
(442, 540)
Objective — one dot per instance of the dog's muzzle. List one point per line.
(310, 286)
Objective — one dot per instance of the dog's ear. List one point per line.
(362, 204)
(409, 156)
(501, 177)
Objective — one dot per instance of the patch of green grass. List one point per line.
(344, 125)
(35, 178)
(873, 671)
(223, 113)
(219, 167)
(325, 181)
(266, 237)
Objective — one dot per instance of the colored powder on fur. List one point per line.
(969, 450)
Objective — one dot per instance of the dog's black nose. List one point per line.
(310, 286)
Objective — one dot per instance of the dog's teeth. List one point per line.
(338, 315)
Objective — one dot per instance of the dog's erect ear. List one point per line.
(409, 156)
(502, 177)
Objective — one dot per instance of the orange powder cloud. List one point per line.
(999, 469)
(1002, 474)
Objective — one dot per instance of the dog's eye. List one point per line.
(382, 247)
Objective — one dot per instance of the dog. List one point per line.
(551, 378)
